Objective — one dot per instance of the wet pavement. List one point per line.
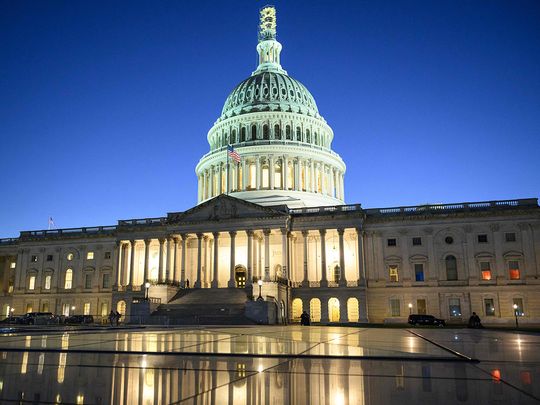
(270, 365)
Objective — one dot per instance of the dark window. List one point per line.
(106, 281)
(298, 134)
(419, 271)
(254, 132)
(88, 281)
(510, 236)
(49, 258)
(266, 132)
(243, 134)
(277, 132)
(449, 240)
(33, 258)
(288, 132)
(391, 242)
(416, 241)
(489, 307)
(107, 255)
(482, 238)
(451, 268)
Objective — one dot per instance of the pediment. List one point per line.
(225, 207)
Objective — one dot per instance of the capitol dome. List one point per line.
(282, 145)
(269, 91)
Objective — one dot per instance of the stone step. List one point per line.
(210, 296)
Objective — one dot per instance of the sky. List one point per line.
(105, 106)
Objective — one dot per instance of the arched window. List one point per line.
(337, 273)
(233, 136)
(297, 309)
(315, 310)
(288, 132)
(353, 310)
(451, 268)
(243, 134)
(121, 307)
(316, 140)
(298, 134)
(68, 284)
(277, 132)
(333, 309)
(253, 132)
(308, 136)
(266, 132)
(48, 282)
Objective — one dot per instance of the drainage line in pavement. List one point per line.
(447, 349)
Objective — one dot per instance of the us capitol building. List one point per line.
(271, 237)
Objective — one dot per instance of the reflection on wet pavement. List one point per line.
(259, 365)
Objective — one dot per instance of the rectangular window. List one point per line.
(510, 236)
(395, 307)
(393, 273)
(421, 307)
(518, 302)
(106, 281)
(482, 238)
(513, 269)
(48, 282)
(45, 307)
(29, 308)
(107, 255)
(69, 279)
(88, 281)
(49, 258)
(485, 269)
(33, 258)
(86, 308)
(65, 309)
(391, 242)
(90, 256)
(13, 265)
(32, 283)
(419, 271)
(454, 307)
(489, 307)
(104, 309)
(417, 241)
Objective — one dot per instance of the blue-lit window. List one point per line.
(419, 271)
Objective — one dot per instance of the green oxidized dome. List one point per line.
(269, 91)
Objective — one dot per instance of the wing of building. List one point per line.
(272, 237)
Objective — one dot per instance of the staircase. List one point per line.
(204, 306)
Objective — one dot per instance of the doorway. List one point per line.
(240, 276)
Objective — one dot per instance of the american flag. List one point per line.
(233, 154)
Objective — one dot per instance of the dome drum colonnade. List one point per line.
(273, 122)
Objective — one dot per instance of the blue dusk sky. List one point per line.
(105, 105)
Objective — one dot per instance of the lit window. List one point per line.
(417, 241)
(90, 256)
(482, 238)
(419, 271)
(393, 273)
(519, 304)
(277, 176)
(265, 177)
(104, 309)
(33, 258)
(29, 308)
(489, 307)
(69, 256)
(395, 309)
(69, 279)
(48, 282)
(496, 375)
(513, 268)
(32, 283)
(86, 308)
(391, 242)
(454, 307)
(485, 269)
(510, 237)
(13, 265)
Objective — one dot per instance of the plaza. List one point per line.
(269, 364)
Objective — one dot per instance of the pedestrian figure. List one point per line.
(474, 321)
(112, 317)
(117, 316)
(187, 283)
(304, 319)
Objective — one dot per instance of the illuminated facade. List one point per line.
(279, 216)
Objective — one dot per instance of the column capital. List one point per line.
(184, 236)
(341, 231)
(200, 235)
(283, 231)
(267, 231)
(132, 242)
(215, 234)
(249, 232)
(305, 234)
(232, 234)
(147, 241)
(322, 232)
(175, 240)
(161, 241)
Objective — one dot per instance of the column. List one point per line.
(360, 248)
(324, 280)
(183, 261)
(305, 281)
(343, 277)
(297, 174)
(160, 260)
(175, 264)
(131, 263)
(205, 185)
(324, 309)
(244, 175)
(271, 170)
(232, 282)
(333, 191)
(205, 261)
(284, 254)
(266, 233)
(249, 258)
(285, 172)
(211, 182)
(120, 247)
(258, 174)
(220, 179)
(168, 259)
(199, 259)
(215, 283)
(146, 255)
